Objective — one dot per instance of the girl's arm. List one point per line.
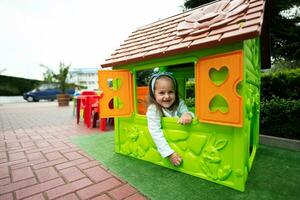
(154, 127)
(186, 116)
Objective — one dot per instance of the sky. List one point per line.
(82, 33)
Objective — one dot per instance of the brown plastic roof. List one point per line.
(220, 22)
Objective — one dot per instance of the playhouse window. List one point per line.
(142, 81)
(184, 74)
(143, 77)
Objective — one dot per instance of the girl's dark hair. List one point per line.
(151, 97)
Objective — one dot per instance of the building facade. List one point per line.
(87, 77)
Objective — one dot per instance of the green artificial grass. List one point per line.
(274, 175)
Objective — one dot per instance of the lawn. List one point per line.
(274, 175)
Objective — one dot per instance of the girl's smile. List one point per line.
(164, 92)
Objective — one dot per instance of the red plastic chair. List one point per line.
(88, 101)
(88, 93)
(103, 121)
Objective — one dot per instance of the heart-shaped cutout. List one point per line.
(114, 84)
(109, 83)
(117, 103)
(117, 82)
(218, 103)
(111, 104)
(218, 77)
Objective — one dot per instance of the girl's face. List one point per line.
(164, 92)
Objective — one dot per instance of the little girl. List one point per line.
(164, 102)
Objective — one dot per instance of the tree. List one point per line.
(285, 30)
(188, 4)
(48, 75)
(62, 76)
(59, 78)
(284, 27)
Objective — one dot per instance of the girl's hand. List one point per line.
(186, 118)
(175, 159)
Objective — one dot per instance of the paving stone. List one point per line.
(26, 192)
(102, 197)
(26, 164)
(15, 186)
(69, 197)
(72, 174)
(3, 155)
(36, 197)
(73, 155)
(21, 174)
(69, 150)
(19, 131)
(9, 163)
(3, 149)
(27, 144)
(46, 136)
(136, 197)
(98, 188)
(39, 161)
(71, 163)
(46, 174)
(49, 163)
(42, 144)
(12, 145)
(122, 192)
(88, 164)
(97, 173)
(4, 172)
(53, 156)
(68, 188)
(23, 137)
(16, 156)
(8, 196)
(10, 137)
(36, 149)
(4, 181)
(4, 160)
(56, 149)
(36, 137)
(57, 143)
(35, 156)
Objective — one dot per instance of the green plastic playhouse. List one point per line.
(214, 53)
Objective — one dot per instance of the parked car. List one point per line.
(45, 92)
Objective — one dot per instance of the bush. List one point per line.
(13, 86)
(284, 84)
(280, 104)
(190, 102)
(8, 90)
(280, 117)
(190, 89)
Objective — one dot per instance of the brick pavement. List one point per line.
(38, 161)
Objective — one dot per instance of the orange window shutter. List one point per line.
(142, 93)
(217, 99)
(117, 100)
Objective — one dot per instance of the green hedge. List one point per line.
(13, 86)
(190, 89)
(284, 84)
(280, 103)
(280, 118)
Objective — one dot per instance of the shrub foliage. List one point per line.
(280, 104)
(280, 118)
(284, 84)
(13, 86)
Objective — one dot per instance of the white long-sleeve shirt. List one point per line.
(154, 125)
